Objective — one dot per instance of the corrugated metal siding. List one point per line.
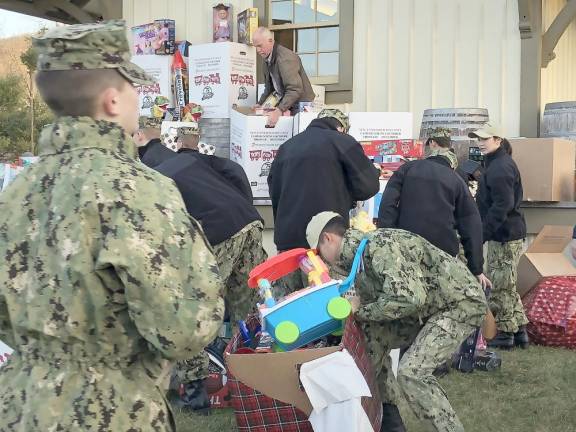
(559, 78)
(409, 55)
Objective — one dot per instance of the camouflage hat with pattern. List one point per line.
(336, 114)
(145, 122)
(89, 46)
(188, 128)
(440, 135)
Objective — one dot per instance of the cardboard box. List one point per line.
(254, 146)
(222, 75)
(545, 257)
(160, 68)
(379, 126)
(547, 168)
(404, 148)
(157, 38)
(274, 377)
(247, 25)
(302, 120)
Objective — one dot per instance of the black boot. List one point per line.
(391, 420)
(194, 397)
(521, 338)
(503, 340)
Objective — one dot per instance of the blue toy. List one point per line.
(308, 314)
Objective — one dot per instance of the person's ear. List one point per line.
(110, 102)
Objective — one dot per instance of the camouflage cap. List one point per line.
(188, 128)
(336, 114)
(89, 46)
(145, 122)
(441, 135)
(439, 132)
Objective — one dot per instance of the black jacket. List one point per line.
(215, 190)
(317, 170)
(154, 153)
(499, 197)
(428, 198)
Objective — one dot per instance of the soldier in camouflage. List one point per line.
(410, 295)
(100, 283)
(216, 192)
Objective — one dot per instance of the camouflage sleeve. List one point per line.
(402, 291)
(6, 334)
(169, 273)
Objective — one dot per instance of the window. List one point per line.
(321, 33)
(311, 29)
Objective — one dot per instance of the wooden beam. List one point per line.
(80, 15)
(556, 30)
(531, 73)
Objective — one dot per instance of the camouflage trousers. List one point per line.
(236, 257)
(429, 346)
(505, 301)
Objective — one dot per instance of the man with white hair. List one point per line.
(284, 75)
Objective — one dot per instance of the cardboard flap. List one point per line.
(244, 110)
(551, 264)
(276, 375)
(551, 239)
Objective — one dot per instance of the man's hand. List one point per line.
(355, 303)
(484, 281)
(273, 117)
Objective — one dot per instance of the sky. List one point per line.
(13, 24)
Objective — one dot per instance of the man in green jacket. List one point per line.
(410, 295)
(103, 274)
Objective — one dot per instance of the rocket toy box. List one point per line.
(308, 314)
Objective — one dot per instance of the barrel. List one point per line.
(216, 131)
(559, 120)
(460, 121)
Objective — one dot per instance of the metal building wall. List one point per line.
(409, 55)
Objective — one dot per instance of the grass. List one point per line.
(534, 391)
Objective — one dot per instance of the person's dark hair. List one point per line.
(75, 92)
(505, 144)
(443, 142)
(336, 225)
(332, 122)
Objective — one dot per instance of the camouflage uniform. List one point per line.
(236, 257)
(99, 282)
(505, 301)
(414, 295)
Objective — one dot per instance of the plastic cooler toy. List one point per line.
(308, 314)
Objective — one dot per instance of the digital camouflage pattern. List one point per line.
(89, 46)
(103, 274)
(414, 295)
(505, 303)
(236, 257)
(145, 122)
(336, 114)
(447, 154)
(439, 132)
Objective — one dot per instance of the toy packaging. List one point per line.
(157, 38)
(222, 23)
(247, 25)
(160, 68)
(222, 76)
(404, 148)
